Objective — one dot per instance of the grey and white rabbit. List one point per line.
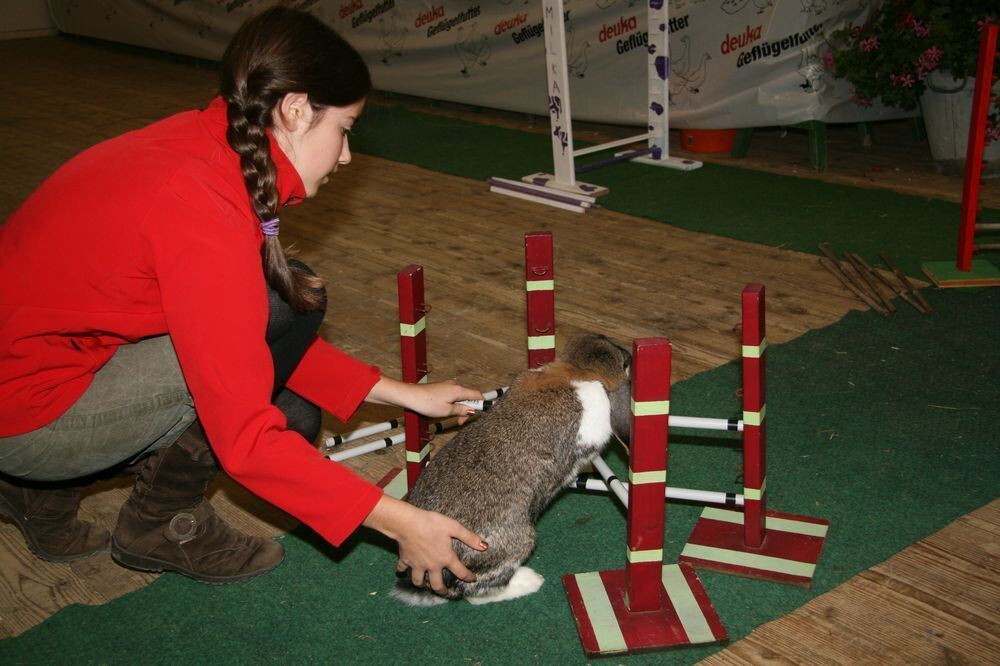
(498, 473)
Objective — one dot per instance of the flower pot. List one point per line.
(708, 141)
(947, 108)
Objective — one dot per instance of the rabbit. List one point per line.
(498, 473)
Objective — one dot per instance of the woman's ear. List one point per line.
(292, 112)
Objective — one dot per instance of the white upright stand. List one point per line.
(562, 189)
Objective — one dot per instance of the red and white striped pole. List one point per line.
(647, 472)
(540, 286)
(754, 409)
(413, 347)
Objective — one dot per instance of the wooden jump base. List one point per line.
(561, 189)
(966, 271)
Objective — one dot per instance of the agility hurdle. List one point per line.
(539, 277)
(539, 274)
(647, 605)
(756, 543)
(539, 288)
(561, 189)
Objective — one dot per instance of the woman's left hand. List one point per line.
(437, 399)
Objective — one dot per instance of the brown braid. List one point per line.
(301, 290)
(277, 52)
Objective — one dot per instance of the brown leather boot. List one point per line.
(168, 525)
(46, 515)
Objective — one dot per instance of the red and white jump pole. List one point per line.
(755, 542)
(754, 440)
(413, 347)
(647, 471)
(539, 283)
(647, 605)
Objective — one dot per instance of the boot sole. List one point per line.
(8, 511)
(153, 565)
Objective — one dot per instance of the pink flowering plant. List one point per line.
(890, 56)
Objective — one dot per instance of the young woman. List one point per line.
(147, 309)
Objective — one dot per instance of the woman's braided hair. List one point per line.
(277, 52)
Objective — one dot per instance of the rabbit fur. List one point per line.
(498, 473)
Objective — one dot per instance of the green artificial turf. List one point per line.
(781, 211)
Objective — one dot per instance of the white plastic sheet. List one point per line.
(734, 63)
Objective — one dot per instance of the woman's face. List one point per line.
(315, 141)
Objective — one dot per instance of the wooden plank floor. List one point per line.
(937, 602)
(623, 276)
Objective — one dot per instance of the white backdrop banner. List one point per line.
(734, 63)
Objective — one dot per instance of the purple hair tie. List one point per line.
(269, 228)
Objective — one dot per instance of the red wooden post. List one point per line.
(647, 472)
(540, 286)
(413, 347)
(739, 543)
(754, 407)
(977, 141)
(647, 605)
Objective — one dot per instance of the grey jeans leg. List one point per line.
(137, 403)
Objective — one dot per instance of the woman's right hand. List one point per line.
(424, 539)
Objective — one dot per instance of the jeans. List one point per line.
(138, 403)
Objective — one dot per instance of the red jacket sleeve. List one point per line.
(205, 255)
(333, 380)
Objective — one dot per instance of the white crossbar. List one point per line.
(613, 144)
(700, 423)
(609, 478)
(376, 428)
(681, 494)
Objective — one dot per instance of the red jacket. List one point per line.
(149, 233)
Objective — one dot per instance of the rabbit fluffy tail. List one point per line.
(525, 581)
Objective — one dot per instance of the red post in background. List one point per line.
(981, 100)
(647, 472)
(540, 286)
(413, 347)
(754, 401)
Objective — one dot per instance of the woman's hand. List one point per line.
(424, 539)
(437, 399)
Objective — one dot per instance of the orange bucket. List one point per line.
(708, 141)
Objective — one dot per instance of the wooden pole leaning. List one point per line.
(647, 605)
(756, 542)
(413, 347)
